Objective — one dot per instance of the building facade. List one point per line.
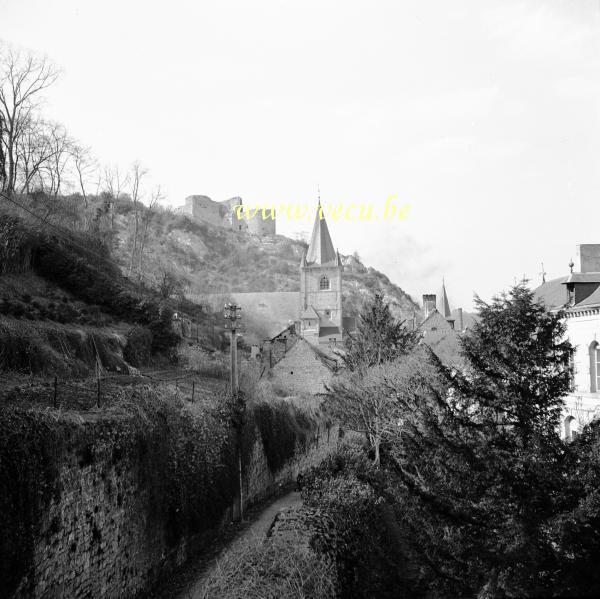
(578, 293)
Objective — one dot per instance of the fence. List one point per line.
(103, 389)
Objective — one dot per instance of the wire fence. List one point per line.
(104, 389)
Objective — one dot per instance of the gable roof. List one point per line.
(435, 319)
(309, 313)
(320, 250)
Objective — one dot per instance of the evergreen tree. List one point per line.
(478, 453)
(379, 337)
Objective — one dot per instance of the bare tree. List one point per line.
(2, 155)
(170, 284)
(33, 151)
(114, 181)
(22, 79)
(155, 199)
(60, 156)
(137, 174)
(84, 165)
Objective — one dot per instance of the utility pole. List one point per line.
(230, 311)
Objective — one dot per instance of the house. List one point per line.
(578, 293)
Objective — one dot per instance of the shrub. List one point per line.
(270, 570)
(368, 546)
(139, 345)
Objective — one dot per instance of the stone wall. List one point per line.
(96, 540)
(101, 536)
(259, 480)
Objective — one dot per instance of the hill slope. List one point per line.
(209, 260)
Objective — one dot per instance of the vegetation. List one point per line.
(184, 453)
(485, 497)
(366, 545)
(270, 570)
(359, 397)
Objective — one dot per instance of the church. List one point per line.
(320, 312)
(315, 311)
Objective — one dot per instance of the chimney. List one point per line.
(459, 320)
(588, 257)
(429, 303)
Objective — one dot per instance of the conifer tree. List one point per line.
(379, 337)
(478, 452)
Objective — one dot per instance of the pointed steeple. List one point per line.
(320, 250)
(444, 301)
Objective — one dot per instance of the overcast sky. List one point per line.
(482, 115)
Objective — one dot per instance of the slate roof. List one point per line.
(583, 277)
(591, 300)
(445, 304)
(309, 313)
(328, 331)
(321, 250)
(552, 293)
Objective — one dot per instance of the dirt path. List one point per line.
(187, 582)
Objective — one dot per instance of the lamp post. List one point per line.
(230, 312)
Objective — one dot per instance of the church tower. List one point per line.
(321, 287)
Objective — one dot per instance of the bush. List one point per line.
(138, 348)
(368, 548)
(270, 570)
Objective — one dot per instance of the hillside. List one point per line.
(66, 298)
(212, 260)
(66, 306)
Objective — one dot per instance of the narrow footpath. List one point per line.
(187, 582)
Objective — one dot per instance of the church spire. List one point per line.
(444, 301)
(320, 250)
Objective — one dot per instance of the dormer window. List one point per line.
(324, 282)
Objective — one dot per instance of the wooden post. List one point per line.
(98, 383)
(193, 389)
(55, 391)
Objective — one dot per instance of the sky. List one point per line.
(481, 115)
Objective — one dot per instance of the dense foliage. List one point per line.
(379, 337)
(367, 546)
(185, 455)
(358, 397)
(480, 454)
(488, 500)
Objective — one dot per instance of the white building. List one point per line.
(579, 294)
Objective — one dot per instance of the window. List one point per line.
(328, 313)
(324, 282)
(594, 367)
(571, 367)
(570, 432)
